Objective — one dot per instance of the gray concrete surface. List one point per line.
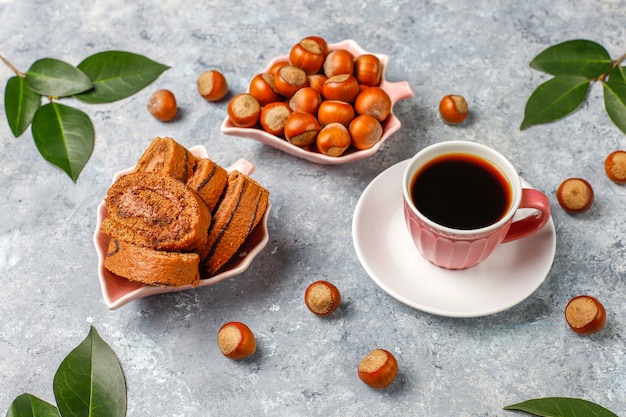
(306, 366)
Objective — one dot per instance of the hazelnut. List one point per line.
(322, 298)
(263, 89)
(274, 116)
(378, 369)
(322, 43)
(289, 79)
(365, 131)
(316, 81)
(575, 195)
(236, 341)
(244, 110)
(615, 166)
(306, 99)
(373, 101)
(343, 87)
(307, 55)
(333, 140)
(368, 69)
(335, 111)
(301, 128)
(453, 109)
(212, 85)
(585, 314)
(162, 105)
(339, 61)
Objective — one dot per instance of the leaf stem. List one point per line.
(8, 64)
(616, 64)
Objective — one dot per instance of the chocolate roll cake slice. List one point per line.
(209, 181)
(240, 210)
(156, 211)
(166, 156)
(153, 267)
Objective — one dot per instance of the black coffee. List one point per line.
(461, 191)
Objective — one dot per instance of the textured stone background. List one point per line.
(305, 366)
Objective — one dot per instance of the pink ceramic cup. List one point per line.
(459, 248)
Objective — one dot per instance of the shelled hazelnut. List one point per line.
(378, 369)
(585, 314)
(236, 341)
(322, 298)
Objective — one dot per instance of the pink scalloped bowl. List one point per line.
(397, 91)
(118, 291)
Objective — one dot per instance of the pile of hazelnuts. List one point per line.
(320, 100)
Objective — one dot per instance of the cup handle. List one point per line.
(533, 199)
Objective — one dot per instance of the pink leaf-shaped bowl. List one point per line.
(397, 91)
(118, 291)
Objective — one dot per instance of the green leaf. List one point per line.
(561, 407)
(27, 405)
(555, 99)
(615, 102)
(54, 78)
(90, 381)
(117, 75)
(618, 74)
(64, 137)
(20, 105)
(577, 57)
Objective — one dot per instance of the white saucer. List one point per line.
(386, 251)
